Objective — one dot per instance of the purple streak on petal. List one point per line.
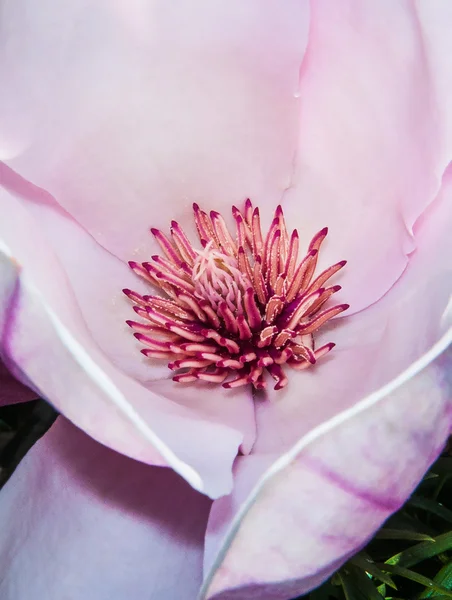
(383, 503)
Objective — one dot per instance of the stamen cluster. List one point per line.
(239, 306)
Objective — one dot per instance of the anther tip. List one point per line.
(343, 263)
(154, 230)
(174, 224)
(195, 206)
(324, 231)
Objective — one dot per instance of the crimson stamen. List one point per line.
(235, 307)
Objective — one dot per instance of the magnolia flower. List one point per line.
(116, 118)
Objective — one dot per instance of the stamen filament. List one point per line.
(241, 305)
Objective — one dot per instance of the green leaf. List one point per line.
(4, 426)
(364, 562)
(444, 578)
(416, 577)
(402, 534)
(414, 555)
(442, 481)
(429, 476)
(443, 466)
(357, 585)
(439, 597)
(432, 507)
(324, 592)
(402, 520)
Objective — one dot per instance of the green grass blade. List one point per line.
(432, 507)
(418, 578)
(365, 563)
(403, 534)
(357, 586)
(444, 578)
(414, 555)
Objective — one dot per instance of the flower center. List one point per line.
(236, 308)
(218, 279)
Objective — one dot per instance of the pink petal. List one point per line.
(11, 391)
(80, 521)
(435, 18)
(373, 346)
(247, 471)
(352, 454)
(128, 116)
(49, 342)
(375, 135)
(321, 501)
